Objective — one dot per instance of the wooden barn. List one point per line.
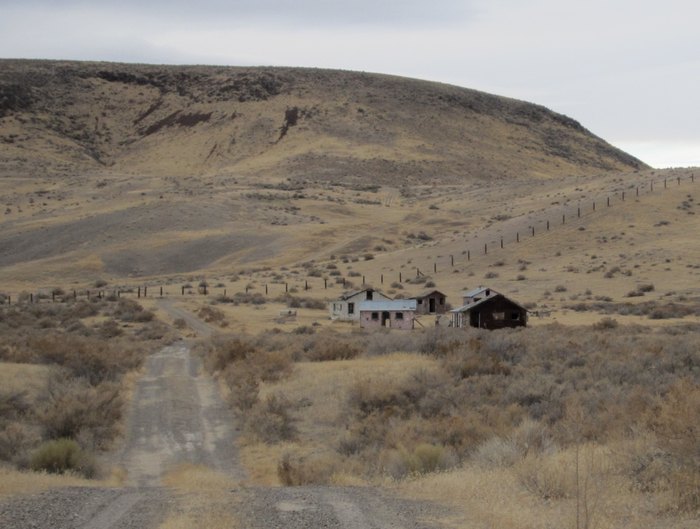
(431, 302)
(485, 308)
(346, 308)
(395, 314)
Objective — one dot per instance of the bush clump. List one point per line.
(62, 456)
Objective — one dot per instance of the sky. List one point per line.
(628, 70)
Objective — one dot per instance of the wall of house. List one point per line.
(394, 322)
(497, 313)
(423, 304)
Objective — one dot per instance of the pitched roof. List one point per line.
(475, 292)
(395, 304)
(426, 293)
(353, 293)
(470, 306)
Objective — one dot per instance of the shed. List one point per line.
(345, 308)
(431, 302)
(487, 309)
(393, 314)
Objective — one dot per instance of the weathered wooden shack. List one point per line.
(395, 314)
(431, 302)
(487, 309)
(346, 307)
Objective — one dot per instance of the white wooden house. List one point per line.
(347, 307)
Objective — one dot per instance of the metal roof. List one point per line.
(381, 306)
(477, 291)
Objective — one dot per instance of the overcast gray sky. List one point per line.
(628, 70)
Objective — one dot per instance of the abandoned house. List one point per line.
(393, 314)
(487, 309)
(346, 308)
(431, 302)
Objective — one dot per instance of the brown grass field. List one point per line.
(279, 189)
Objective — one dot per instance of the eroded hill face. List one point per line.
(259, 123)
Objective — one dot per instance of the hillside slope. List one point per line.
(322, 125)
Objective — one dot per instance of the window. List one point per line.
(369, 295)
(515, 316)
(351, 308)
(499, 316)
(399, 316)
(442, 301)
(375, 316)
(420, 301)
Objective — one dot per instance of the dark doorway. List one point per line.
(386, 317)
(475, 318)
(431, 305)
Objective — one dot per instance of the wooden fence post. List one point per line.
(608, 201)
(517, 236)
(161, 291)
(623, 196)
(183, 290)
(266, 291)
(579, 210)
(31, 297)
(452, 260)
(547, 225)
(563, 218)
(533, 230)
(435, 268)
(325, 283)
(486, 248)
(501, 242)
(138, 294)
(400, 279)
(286, 287)
(679, 180)
(469, 255)
(594, 205)
(145, 292)
(381, 279)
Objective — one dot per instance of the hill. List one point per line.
(302, 124)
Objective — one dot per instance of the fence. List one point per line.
(478, 247)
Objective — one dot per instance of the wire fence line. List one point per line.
(481, 245)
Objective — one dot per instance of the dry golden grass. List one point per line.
(323, 388)
(497, 497)
(31, 378)
(205, 499)
(14, 482)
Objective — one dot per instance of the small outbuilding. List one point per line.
(431, 302)
(394, 314)
(346, 308)
(485, 308)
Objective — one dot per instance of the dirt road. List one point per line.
(176, 417)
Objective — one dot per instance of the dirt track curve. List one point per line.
(178, 417)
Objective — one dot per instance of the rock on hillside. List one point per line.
(63, 117)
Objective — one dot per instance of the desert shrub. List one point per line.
(180, 324)
(73, 409)
(243, 387)
(128, 310)
(212, 315)
(490, 275)
(16, 438)
(549, 477)
(154, 330)
(271, 421)
(676, 423)
(606, 323)
(422, 459)
(221, 351)
(294, 470)
(61, 456)
(327, 347)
